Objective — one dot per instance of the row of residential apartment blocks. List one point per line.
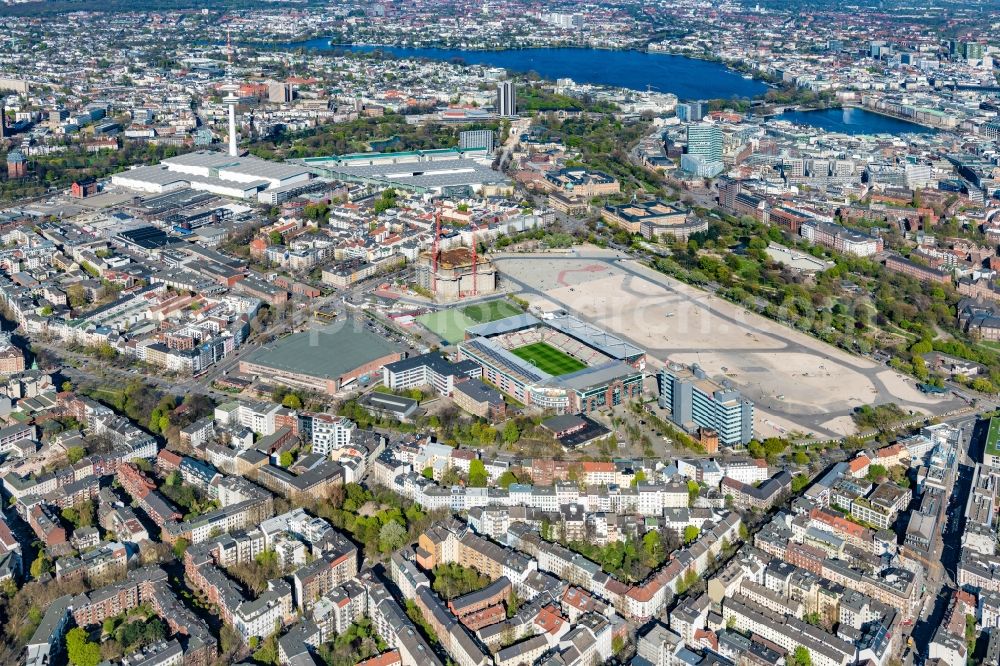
(597, 486)
(195, 643)
(527, 552)
(756, 606)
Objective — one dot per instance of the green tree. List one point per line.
(428, 472)
(267, 653)
(478, 478)
(80, 649)
(180, 547)
(391, 537)
(801, 657)
(693, 490)
(276, 238)
(876, 472)
(286, 459)
(75, 453)
(511, 433)
(41, 566)
(513, 604)
(799, 481)
(292, 401)
(691, 533)
(638, 477)
(506, 479)
(983, 385)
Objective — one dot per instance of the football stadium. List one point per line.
(559, 362)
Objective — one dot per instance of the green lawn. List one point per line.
(491, 311)
(548, 359)
(993, 437)
(450, 323)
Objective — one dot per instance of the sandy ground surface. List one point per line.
(797, 382)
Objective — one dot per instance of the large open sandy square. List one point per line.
(798, 383)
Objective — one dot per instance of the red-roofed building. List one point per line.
(859, 465)
(893, 455)
(598, 473)
(390, 658)
(7, 541)
(854, 534)
(167, 461)
(135, 483)
(576, 602)
(549, 621)
(485, 617)
(706, 638)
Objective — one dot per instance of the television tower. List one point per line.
(475, 258)
(436, 250)
(231, 98)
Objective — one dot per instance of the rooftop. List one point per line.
(329, 353)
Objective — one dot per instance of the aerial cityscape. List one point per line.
(499, 333)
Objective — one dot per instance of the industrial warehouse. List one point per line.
(234, 176)
(324, 360)
(422, 171)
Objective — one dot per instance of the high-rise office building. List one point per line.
(476, 139)
(704, 150)
(279, 92)
(506, 99)
(972, 51)
(705, 140)
(695, 401)
(691, 112)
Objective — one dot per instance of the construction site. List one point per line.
(456, 272)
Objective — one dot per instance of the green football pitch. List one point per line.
(491, 311)
(548, 359)
(450, 323)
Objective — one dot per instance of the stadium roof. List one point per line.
(595, 337)
(586, 378)
(501, 326)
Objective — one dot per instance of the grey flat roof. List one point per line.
(389, 400)
(421, 174)
(53, 616)
(248, 165)
(158, 174)
(328, 353)
(596, 375)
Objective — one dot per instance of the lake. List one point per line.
(688, 78)
(853, 121)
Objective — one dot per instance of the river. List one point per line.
(688, 78)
